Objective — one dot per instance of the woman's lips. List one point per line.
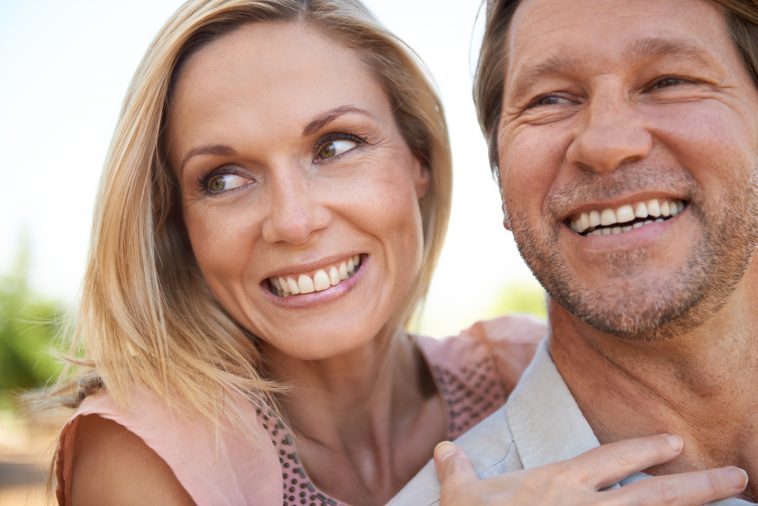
(314, 281)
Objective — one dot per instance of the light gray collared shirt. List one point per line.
(540, 424)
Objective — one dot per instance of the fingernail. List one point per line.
(444, 449)
(738, 477)
(675, 442)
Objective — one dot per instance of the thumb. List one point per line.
(453, 466)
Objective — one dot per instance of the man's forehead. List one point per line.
(549, 31)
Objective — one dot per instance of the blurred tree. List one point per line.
(523, 297)
(28, 327)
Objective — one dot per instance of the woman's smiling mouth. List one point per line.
(314, 281)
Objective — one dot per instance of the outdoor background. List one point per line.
(64, 68)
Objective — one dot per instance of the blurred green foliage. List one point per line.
(29, 324)
(522, 297)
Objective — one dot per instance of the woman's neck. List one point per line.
(365, 421)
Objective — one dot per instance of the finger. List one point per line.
(610, 463)
(691, 488)
(453, 466)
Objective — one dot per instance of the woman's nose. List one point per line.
(611, 134)
(296, 210)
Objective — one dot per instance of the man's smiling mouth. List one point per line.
(316, 281)
(609, 221)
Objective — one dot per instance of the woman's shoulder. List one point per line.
(506, 335)
(508, 341)
(110, 460)
(476, 370)
(179, 455)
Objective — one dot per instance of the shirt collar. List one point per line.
(546, 423)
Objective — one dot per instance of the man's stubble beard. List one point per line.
(641, 309)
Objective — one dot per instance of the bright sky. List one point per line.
(65, 69)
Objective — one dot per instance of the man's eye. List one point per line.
(667, 82)
(220, 183)
(549, 100)
(334, 148)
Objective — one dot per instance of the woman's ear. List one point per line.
(421, 179)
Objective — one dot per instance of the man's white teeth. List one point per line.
(655, 209)
(284, 286)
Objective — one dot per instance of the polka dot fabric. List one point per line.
(298, 488)
(473, 373)
(470, 394)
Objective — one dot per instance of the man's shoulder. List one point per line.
(489, 446)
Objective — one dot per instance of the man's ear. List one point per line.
(506, 216)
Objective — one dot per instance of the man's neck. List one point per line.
(699, 385)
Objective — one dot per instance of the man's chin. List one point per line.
(634, 315)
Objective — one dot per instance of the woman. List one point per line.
(273, 205)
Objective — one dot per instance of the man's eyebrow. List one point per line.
(656, 46)
(648, 47)
(327, 117)
(211, 149)
(530, 76)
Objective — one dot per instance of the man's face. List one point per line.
(628, 153)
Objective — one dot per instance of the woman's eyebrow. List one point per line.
(332, 114)
(319, 122)
(211, 149)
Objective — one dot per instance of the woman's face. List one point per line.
(299, 194)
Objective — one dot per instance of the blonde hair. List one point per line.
(146, 314)
(741, 16)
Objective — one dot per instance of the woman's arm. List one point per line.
(113, 466)
(578, 481)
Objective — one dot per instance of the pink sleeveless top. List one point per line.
(474, 372)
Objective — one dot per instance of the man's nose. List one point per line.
(295, 211)
(611, 134)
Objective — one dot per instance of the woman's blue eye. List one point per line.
(224, 182)
(335, 148)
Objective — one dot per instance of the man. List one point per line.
(625, 137)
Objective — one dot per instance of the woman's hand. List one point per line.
(578, 480)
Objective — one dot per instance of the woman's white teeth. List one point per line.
(334, 276)
(292, 286)
(284, 286)
(305, 283)
(613, 220)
